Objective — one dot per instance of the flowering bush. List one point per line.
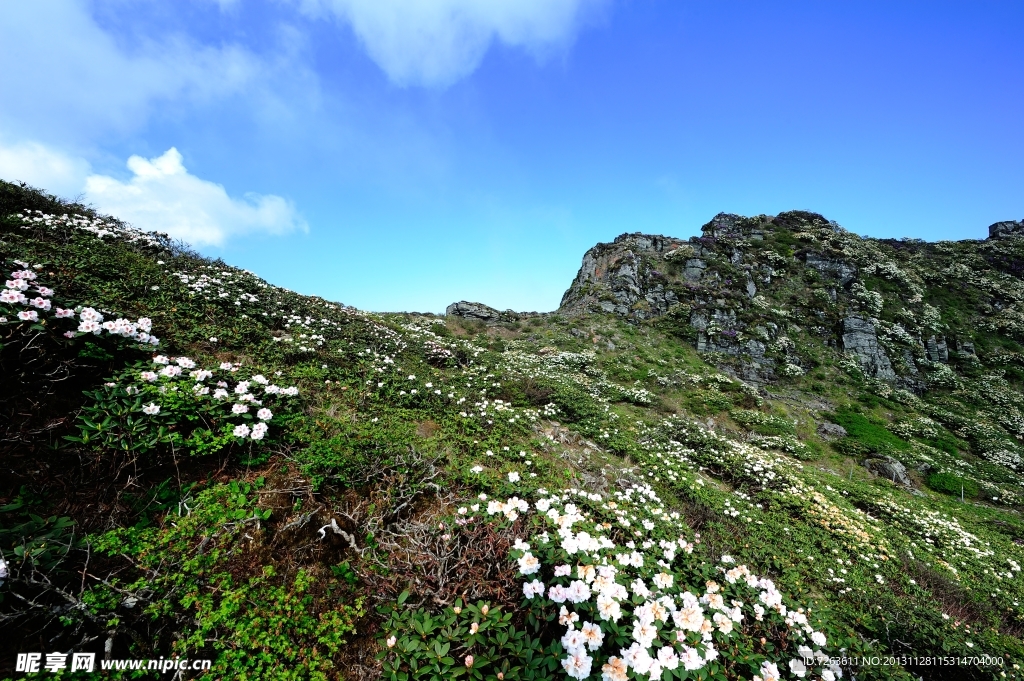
(176, 403)
(612, 581)
(90, 320)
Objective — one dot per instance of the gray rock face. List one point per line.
(890, 469)
(835, 269)
(831, 431)
(1001, 230)
(468, 310)
(617, 278)
(937, 350)
(860, 339)
(728, 225)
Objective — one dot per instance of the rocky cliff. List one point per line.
(769, 293)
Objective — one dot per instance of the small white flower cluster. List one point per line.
(173, 368)
(98, 227)
(90, 320)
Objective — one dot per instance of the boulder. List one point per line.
(890, 469)
(831, 431)
(468, 310)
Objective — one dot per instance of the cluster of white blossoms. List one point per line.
(602, 587)
(17, 292)
(240, 396)
(96, 226)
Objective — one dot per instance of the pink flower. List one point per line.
(241, 431)
(28, 315)
(64, 314)
(12, 296)
(41, 303)
(469, 661)
(43, 291)
(264, 414)
(69, 334)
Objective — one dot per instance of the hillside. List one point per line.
(765, 453)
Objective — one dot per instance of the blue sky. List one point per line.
(404, 154)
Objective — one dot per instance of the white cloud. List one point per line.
(65, 79)
(43, 167)
(436, 42)
(163, 196)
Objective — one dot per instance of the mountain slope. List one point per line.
(734, 456)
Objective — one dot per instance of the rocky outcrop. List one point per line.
(831, 268)
(831, 431)
(486, 313)
(622, 278)
(468, 310)
(1007, 228)
(890, 469)
(859, 338)
(937, 350)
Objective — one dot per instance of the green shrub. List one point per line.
(867, 436)
(950, 483)
(762, 423)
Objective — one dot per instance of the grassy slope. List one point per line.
(169, 534)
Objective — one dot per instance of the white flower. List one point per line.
(239, 408)
(592, 634)
(259, 430)
(241, 431)
(528, 563)
(578, 665)
(534, 588)
(818, 638)
(769, 671)
(578, 592)
(28, 315)
(798, 668)
(151, 409)
(159, 359)
(663, 580)
(264, 414)
(513, 477)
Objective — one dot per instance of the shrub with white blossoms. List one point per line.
(174, 402)
(18, 294)
(244, 398)
(615, 574)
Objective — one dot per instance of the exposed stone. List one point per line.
(859, 338)
(836, 269)
(468, 310)
(1007, 228)
(831, 431)
(937, 350)
(619, 277)
(890, 469)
